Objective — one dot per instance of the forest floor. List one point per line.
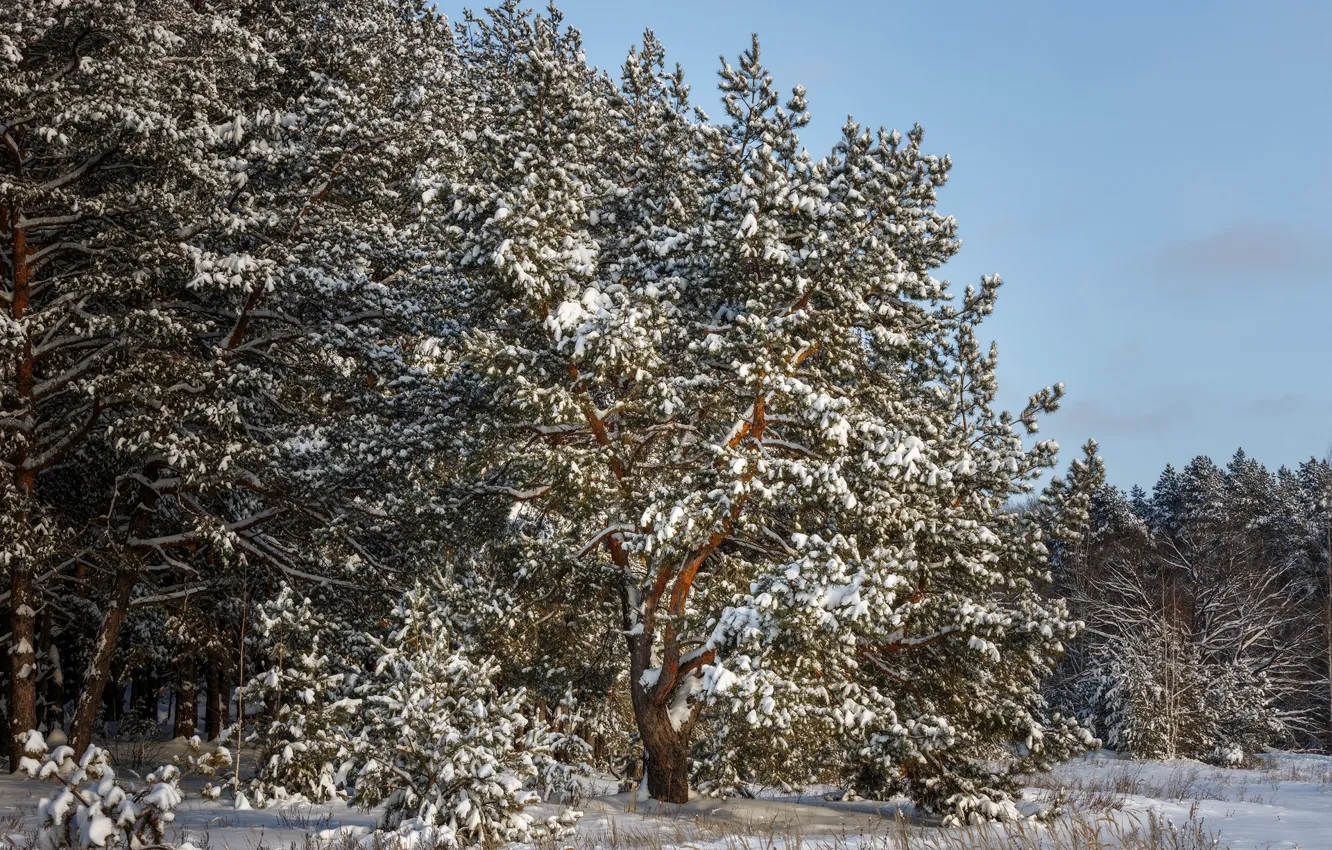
(1282, 802)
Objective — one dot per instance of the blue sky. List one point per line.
(1152, 180)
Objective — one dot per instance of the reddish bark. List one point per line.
(667, 752)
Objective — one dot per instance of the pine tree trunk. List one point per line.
(113, 700)
(228, 685)
(667, 747)
(667, 756)
(22, 659)
(127, 578)
(187, 675)
(213, 709)
(99, 670)
(45, 669)
(146, 695)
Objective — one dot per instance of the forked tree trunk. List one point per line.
(666, 746)
(187, 707)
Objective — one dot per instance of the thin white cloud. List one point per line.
(1247, 250)
(1104, 420)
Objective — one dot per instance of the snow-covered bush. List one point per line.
(440, 746)
(304, 734)
(201, 763)
(562, 758)
(93, 808)
(1241, 714)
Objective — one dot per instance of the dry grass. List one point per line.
(1314, 771)
(305, 817)
(137, 755)
(1080, 831)
(1106, 790)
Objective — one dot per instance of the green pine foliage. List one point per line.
(691, 457)
(439, 746)
(309, 712)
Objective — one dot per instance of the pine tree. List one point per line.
(1316, 483)
(303, 741)
(1199, 640)
(439, 745)
(728, 398)
(102, 170)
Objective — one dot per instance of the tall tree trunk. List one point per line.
(228, 685)
(667, 747)
(99, 670)
(213, 710)
(45, 669)
(113, 699)
(127, 578)
(146, 695)
(22, 591)
(187, 675)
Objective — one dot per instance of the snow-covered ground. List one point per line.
(1284, 801)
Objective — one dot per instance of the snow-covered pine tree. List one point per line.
(309, 713)
(199, 210)
(1117, 535)
(439, 746)
(729, 399)
(1146, 693)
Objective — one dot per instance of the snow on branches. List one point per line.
(303, 739)
(440, 747)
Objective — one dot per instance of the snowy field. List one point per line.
(1282, 801)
